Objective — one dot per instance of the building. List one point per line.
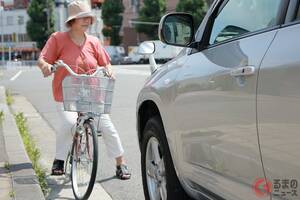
(15, 42)
(128, 33)
(96, 29)
(129, 36)
(171, 5)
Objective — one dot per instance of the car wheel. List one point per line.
(160, 181)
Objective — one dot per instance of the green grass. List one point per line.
(11, 194)
(9, 98)
(1, 116)
(32, 151)
(7, 165)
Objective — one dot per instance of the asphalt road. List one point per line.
(130, 78)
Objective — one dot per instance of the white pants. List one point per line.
(64, 137)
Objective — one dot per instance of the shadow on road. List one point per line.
(106, 179)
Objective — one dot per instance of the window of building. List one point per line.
(20, 20)
(10, 20)
(23, 38)
(7, 38)
(239, 17)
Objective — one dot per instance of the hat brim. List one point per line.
(81, 15)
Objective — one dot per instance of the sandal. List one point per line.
(122, 172)
(57, 168)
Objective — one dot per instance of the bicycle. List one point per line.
(89, 96)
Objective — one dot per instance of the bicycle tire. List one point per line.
(87, 193)
(67, 167)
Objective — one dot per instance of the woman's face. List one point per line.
(82, 24)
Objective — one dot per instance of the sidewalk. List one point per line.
(5, 177)
(20, 181)
(44, 137)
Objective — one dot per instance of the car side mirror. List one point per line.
(148, 48)
(177, 29)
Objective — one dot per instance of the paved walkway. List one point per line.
(17, 178)
(44, 136)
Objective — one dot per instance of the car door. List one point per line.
(215, 108)
(278, 111)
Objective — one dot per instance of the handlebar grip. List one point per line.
(53, 68)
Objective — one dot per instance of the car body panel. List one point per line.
(160, 88)
(278, 107)
(210, 116)
(216, 117)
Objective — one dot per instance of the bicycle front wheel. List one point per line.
(67, 168)
(84, 161)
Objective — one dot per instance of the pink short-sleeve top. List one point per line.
(82, 59)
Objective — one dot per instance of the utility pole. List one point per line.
(2, 43)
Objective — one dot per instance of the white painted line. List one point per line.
(16, 76)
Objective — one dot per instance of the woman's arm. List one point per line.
(48, 55)
(109, 71)
(44, 66)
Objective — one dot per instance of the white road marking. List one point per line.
(16, 76)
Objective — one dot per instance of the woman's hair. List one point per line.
(69, 23)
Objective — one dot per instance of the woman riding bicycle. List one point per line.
(83, 53)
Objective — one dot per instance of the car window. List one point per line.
(243, 16)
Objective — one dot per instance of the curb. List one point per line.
(24, 181)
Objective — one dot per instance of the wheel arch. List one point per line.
(147, 110)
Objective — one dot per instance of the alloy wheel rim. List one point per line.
(155, 171)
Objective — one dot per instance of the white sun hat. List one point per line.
(79, 9)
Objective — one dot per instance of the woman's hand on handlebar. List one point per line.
(46, 70)
(109, 72)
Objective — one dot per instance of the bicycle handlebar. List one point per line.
(61, 63)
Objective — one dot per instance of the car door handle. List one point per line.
(243, 71)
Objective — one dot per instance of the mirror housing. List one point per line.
(177, 29)
(148, 48)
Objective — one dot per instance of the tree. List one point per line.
(152, 11)
(197, 8)
(41, 22)
(112, 18)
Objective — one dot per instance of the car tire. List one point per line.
(154, 133)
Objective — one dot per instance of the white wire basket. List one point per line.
(88, 94)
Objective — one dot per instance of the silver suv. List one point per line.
(222, 119)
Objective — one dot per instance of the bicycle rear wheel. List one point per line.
(84, 161)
